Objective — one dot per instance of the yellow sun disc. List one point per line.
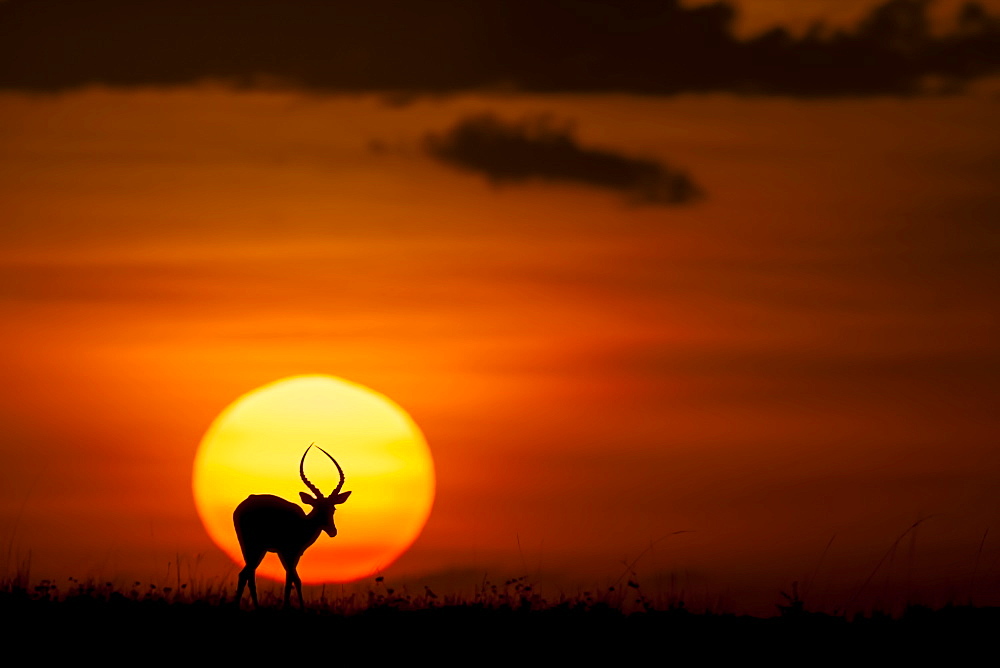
(254, 447)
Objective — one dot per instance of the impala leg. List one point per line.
(292, 578)
(298, 586)
(249, 575)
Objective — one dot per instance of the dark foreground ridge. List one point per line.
(82, 623)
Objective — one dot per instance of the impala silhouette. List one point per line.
(266, 523)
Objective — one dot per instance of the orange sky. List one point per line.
(810, 351)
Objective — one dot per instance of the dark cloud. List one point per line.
(418, 46)
(539, 148)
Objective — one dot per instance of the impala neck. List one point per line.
(318, 519)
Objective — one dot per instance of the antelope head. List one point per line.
(323, 507)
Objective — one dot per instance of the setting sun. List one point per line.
(254, 447)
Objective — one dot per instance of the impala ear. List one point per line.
(306, 499)
(340, 498)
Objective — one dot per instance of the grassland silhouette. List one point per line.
(510, 613)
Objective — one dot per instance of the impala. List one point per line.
(266, 523)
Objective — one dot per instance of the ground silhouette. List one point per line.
(93, 622)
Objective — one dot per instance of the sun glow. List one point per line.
(254, 447)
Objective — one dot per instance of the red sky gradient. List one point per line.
(809, 352)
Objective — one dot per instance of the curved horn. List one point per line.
(302, 472)
(341, 484)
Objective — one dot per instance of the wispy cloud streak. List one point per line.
(539, 148)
